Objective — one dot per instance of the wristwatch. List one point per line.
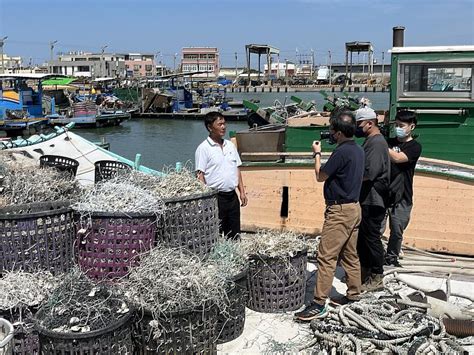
(316, 153)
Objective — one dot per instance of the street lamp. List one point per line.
(102, 60)
(51, 50)
(2, 42)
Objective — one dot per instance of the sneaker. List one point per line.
(374, 283)
(392, 261)
(341, 301)
(313, 311)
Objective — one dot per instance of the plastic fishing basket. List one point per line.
(114, 339)
(60, 163)
(277, 284)
(191, 223)
(37, 236)
(25, 338)
(108, 169)
(111, 243)
(230, 326)
(183, 332)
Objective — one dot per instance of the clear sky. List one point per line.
(150, 26)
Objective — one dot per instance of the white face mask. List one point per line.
(400, 132)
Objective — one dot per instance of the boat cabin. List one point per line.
(21, 101)
(436, 82)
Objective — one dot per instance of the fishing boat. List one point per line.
(436, 82)
(21, 107)
(172, 98)
(65, 143)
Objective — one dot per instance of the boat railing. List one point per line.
(35, 139)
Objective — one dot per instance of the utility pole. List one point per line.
(383, 66)
(312, 63)
(51, 54)
(235, 66)
(102, 60)
(330, 71)
(154, 64)
(2, 42)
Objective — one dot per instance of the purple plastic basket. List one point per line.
(37, 236)
(113, 242)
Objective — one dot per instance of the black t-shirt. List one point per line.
(377, 171)
(345, 169)
(412, 150)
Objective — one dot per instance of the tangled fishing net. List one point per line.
(175, 184)
(79, 305)
(20, 289)
(118, 195)
(172, 184)
(22, 184)
(169, 280)
(273, 244)
(229, 258)
(137, 192)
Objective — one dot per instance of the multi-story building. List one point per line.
(90, 64)
(10, 64)
(201, 59)
(140, 65)
(280, 70)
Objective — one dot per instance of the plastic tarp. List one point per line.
(58, 81)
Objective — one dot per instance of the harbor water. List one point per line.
(164, 142)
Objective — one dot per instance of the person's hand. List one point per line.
(243, 199)
(316, 147)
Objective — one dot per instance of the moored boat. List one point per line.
(21, 107)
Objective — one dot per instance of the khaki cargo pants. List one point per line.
(339, 241)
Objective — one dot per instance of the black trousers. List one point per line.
(369, 243)
(229, 213)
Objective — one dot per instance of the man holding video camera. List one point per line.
(342, 176)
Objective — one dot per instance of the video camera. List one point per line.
(325, 135)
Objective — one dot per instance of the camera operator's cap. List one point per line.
(365, 113)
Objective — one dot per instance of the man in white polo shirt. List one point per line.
(217, 165)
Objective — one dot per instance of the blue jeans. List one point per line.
(399, 217)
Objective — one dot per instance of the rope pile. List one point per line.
(79, 305)
(21, 289)
(380, 322)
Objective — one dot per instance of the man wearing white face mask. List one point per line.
(404, 152)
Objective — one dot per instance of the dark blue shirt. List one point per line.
(345, 171)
